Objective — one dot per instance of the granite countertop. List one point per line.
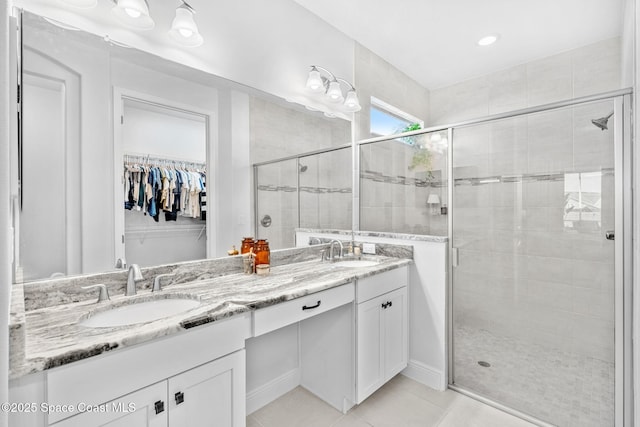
(51, 336)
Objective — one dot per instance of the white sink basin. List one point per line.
(139, 312)
(356, 263)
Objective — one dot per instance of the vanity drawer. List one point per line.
(276, 316)
(372, 286)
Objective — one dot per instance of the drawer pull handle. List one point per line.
(159, 406)
(179, 397)
(311, 307)
(387, 304)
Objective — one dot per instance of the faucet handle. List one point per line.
(103, 295)
(157, 285)
(121, 263)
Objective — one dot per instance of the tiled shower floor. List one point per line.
(557, 387)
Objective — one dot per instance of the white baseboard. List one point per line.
(272, 390)
(426, 375)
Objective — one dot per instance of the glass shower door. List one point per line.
(533, 290)
(276, 202)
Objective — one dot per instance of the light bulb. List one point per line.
(184, 29)
(334, 93)
(132, 12)
(314, 81)
(185, 32)
(351, 103)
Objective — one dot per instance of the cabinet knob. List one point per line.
(179, 397)
(159, 406)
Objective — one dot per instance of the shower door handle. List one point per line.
(454, 257)
(610, 235)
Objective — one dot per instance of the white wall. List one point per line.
(265, 45)
(164, 133)
(89, 66)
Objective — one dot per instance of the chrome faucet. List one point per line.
(333, 257)
(135, 275)
(103, 295)
(157, 284)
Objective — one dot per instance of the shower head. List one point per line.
(602, 122)
(303, 168)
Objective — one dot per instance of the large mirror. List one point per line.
(111, 133)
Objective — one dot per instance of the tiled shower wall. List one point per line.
(324, 199)
(532, 265)
(584, 71)
(523, 270)
(393, 195)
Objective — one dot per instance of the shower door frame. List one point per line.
(623, 252)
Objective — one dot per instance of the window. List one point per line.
(386, 119)
(583, 201)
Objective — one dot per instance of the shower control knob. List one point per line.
(266, 221)
(610, 235)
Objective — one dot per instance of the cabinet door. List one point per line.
(137, 409)
(370, 371)
(210, 395)
(394, 315)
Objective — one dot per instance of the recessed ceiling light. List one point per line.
(488, 40)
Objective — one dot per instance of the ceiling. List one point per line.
(434, 41)
(270, 45)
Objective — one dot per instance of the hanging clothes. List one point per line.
(153, 186)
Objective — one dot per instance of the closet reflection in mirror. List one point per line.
(75, 191)
(77, 88)
(164, 183)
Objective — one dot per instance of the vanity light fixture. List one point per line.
(331, 90)
(135, 14)
(184, 29)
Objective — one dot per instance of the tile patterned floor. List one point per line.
(561, 388)
(402, 402)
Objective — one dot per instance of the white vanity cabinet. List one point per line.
(197, 375)
(203, 396)
(381, 330)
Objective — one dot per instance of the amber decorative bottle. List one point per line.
(247, 244)
(263, 254)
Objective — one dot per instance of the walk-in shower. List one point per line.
(536, 285)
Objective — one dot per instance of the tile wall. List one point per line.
(533, 198)
(395, 185)
(584, 71)
(376, 77)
